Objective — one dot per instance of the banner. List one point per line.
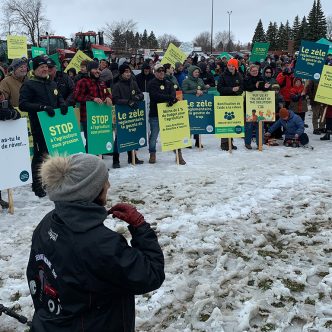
(173, 54)
(324, 90)
(260, 106)
(99, 54)
(186, 47)
(174, 126)
(35, 51)
(224, 54)
(201, 113)
(55, 58)
(17, 47)
(259, 52)
(131, 127)
(99, 128)
(229, 116)
(61, 132)
(310, 61)
(75, 62)
(15, 166)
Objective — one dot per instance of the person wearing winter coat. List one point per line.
(144, 77)
(268, 76)
(293, 127)
(82, 275)
(194, 85)
(298, 98)
(169, 76)
(126, 92)
(179, 73)
(39, 94)
(253, 82)
(285, 79)
(230, 83)
(206, 75)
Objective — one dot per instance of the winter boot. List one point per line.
(39, 191)
(224, 146)
(152, 159)
(326, 137)
(316, 132)
(181, 160)
(137, 161)
(3, 203)
(116, 160)
(248, 146)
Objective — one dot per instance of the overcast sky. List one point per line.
(183, 18)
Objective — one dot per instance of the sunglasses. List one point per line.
(268, 72)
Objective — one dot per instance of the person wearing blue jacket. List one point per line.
(293, 127)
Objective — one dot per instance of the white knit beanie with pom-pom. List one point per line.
(78, 177)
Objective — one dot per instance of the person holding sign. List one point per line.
(91, 89)
(39, 94)
(82, 275)
(126, 92)
(194, 85)
(293, 128)
(285, 80)
(230, 83)
(161, 91)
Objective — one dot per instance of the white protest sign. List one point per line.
(15, 166)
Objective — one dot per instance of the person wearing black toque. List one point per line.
(39, 94)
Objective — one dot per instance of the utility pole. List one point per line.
(211, 48)
(229, 29)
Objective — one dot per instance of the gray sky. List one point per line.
(183, 18)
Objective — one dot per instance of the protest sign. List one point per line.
(99, 128)
(174, 125)
(55, 58)
(260, 106)
(201, 113)
(229, 116)
(75, 62)
(173, 54)
(131, 127)
(186, 47)
(324, 90)
(311, 59)
(36, 51)
(61, 132)
(99, 54)
(15, 166)
(224, 54)
(259, 52)
(17, 47)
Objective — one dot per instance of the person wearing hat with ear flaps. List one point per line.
(39, 94)
(82, 275)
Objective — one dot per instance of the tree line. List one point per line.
(313, 27)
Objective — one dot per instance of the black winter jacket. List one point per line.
(250, 83)
(34, 94)
(83, 276)
(161, 91)
(227, 82)
(143, 80)
(66, 87)
(125, 91)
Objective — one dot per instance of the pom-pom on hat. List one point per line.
(79, 177)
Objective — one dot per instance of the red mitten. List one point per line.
(127, 213)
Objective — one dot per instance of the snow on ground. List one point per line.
(246, 238)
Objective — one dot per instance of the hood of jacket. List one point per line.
(79, 216)
(191, 69)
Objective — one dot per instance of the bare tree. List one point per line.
(203, 40)
(221, 40)
(329, 27)
(165, 39)
(119, 27)
(27, 16)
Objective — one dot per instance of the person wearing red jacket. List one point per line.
(91, 89)
(285, 80)
(298, 98)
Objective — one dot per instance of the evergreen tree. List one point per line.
(144, 40)
(136, 41)
(259, 35)
(296, 27)
(312, 21)
(301, 34)
(321, 24)
(288, 31)
(271, 36)
(282, 38)
(152, 40)
(118, 39)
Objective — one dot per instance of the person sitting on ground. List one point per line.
(82, 275)
(293, 127)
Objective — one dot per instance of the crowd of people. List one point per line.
(44, 88)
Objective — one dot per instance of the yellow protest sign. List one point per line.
(260, 106)
(324, 90)
(75, 62)
(229, 116)
(174, 126)
(173, 54)
(17, 47)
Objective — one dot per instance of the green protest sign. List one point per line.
(259, 52)
(55, 58)
(99, 54)
(61, 132)
(99, 128)
(35, 51)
